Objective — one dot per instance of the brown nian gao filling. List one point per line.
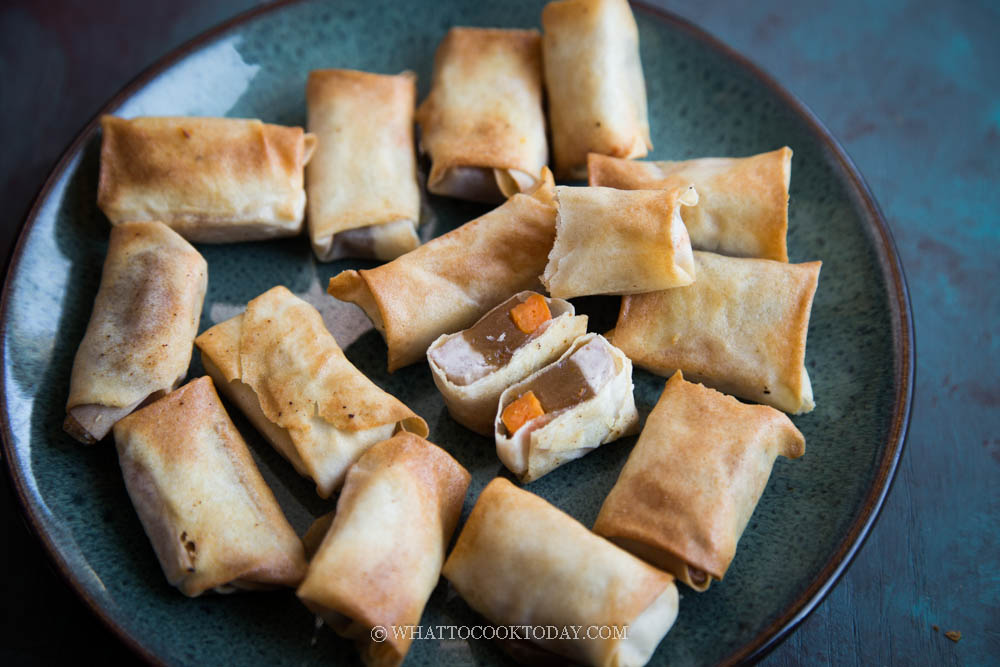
(561, 386)
(564, 385)
(495, 336)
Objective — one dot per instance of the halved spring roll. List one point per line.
(619, 241)
(519, 561)
(483, 124)
(693, 480)
(213, 180)
(381, 558)
(596, 90)
(138, 341)
(450, 282)
(212, 519)
(567, 409)
(740, 328)
(283, 368)
(472, 368)
(364, 200)
(742, 207)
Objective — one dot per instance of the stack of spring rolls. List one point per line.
(695, 250)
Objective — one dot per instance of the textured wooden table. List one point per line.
(911, 89)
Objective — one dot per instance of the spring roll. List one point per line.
(740, 328)
(567, 409)
(213, 180)
(364, 200)
(596, 91)
(450, 282)
(283, 368)
(138, 341)
(381, 558)
(519, 561)
(619, 242)
(472, 368)
(742, 207)
(693, 480)
(483, 124)
(213, 522)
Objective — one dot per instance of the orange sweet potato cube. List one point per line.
(530, 313)
(521, 411)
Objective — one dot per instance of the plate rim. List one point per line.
(887, 257)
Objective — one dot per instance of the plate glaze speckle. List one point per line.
(703, 100)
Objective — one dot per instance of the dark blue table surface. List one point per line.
(912, 90)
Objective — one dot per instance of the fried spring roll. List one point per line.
(619, 242)
(364, 200)
(519, 561)
(473, 367)
(596, 91)
(483, 123)
(566, 409)
(740, 328)
(693, 480)
(450, 282)
(283, 368)
(742, 207)
(212, 519)
(213, 180)
(138, 341)
(381, 558)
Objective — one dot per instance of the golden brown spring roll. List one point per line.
(471, 368)
(566, 409)
(364, 200)
(519, 561)
(483, 124)
(138, 341)
(742, 205)
(596, 91)
(213, 522)
(619, 242)
(740, 328)
(285, 371)
(382, 556)
(213, 180)
(693, 480)
(450, 282)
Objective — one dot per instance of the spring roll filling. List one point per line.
(385, 241)
(483, 184)
(487, 345)
(567, 383)
(90, 422)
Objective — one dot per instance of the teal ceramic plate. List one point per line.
(703, 99)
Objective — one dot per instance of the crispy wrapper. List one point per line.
(619, 242)
(740, 328)
(283, 368)
(213, 180)
(742, 207)
(483, 124)
(521, 561)
(693, 480)
(382, 555)
(364, 200)
(474, 405)
(449, 282)
(593, 76)
(138, 341)
(213, 522)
